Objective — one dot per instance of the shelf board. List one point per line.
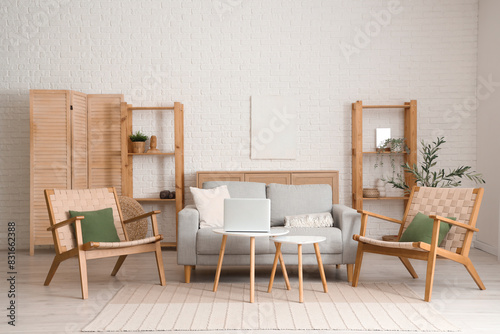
(168, 244)
(155, 199)
(169, 153)
(383, 198)
(404, 106)
(151, 108)
(384, 152)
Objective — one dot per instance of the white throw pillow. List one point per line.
(210, 205)
(323, 219)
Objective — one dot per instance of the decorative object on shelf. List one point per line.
(152, 145)
(381, 135)
(381, 187)
(424, 176)
(167, 194)
(131, 208)
(371, 193)
(396, 145)
(138, 142)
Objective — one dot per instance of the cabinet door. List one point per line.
(226, 176)
(50, 156)
(331, 178)
(281, 178)
(79, 158)
(104, 141)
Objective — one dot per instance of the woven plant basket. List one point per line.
(371, 192)
(130, 209)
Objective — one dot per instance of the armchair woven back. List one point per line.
(60, 202)
(459, 203)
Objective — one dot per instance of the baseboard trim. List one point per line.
(485, 247)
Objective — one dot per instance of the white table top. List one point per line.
(274, 232)
(299, 239)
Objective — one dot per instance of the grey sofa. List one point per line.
(200, 247)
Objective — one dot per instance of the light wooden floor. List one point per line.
(59, 309)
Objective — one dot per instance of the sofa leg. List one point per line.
(350, 272)
(187, 274)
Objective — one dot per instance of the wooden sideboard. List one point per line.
(330, 177)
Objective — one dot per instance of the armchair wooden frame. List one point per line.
(96, 250)
(421, 250)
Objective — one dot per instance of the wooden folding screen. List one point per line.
(74, 144)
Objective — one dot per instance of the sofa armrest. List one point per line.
(189, 223)
(348, 221)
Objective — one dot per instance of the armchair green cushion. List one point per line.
(98, 226)
(420, 229)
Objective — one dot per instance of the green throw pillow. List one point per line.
(98, 226)
(420, 229)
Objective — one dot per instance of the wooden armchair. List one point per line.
(437, 203)
(69, 244)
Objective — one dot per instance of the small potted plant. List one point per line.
(397, 145)
(391, 145)
(138, 142)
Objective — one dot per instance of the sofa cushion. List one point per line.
(332, 244)
(322, 219)
(290, 200)
(240, 189)
(208, 243)
(210, 205)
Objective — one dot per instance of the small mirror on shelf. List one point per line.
(382, 134)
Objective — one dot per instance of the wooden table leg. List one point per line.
(252, 268)
(283, 270)
(320, 266)
(301, 283)
(275, 264)
(219, 264)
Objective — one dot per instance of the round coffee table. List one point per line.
(252, 236)
(299, 241)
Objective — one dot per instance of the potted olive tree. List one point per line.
(427, 176)
(138, 142)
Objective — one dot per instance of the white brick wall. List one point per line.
(214, 55)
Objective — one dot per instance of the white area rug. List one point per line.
(180, 306)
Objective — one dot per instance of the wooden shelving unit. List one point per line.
(178, 155)
(410, 133)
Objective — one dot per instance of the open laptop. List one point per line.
(247, 215)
